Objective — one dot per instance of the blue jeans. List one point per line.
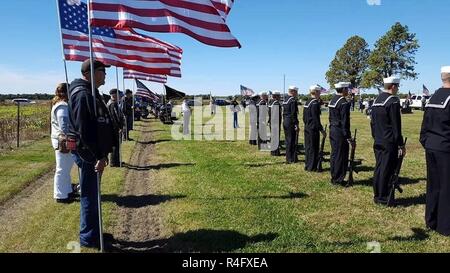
(89, 225)
(235, 120)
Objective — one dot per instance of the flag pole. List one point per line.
(62, 46)
(118, 112)
(284, 86)
(99, 195)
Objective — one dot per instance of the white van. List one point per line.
(415, 102)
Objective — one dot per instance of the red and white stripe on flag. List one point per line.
(223, 7)
(174, 52)
(199, 19)
(122, 48)
(131, 74)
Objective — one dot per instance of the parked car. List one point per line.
(192, 103)
(415, 102)
(220, 102)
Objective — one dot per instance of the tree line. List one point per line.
(393, 54)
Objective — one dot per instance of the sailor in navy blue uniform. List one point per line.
(386, 127)
(275, 123)
(313, 128)
(340, 136)
(253, 112)
(290, 125)
(435, 138)
(263, 113)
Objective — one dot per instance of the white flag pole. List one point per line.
(99, 195)
(62, 46)
(118, 112)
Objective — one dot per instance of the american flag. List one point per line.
(426, 92)
(223, 7)
(121, 48)
(323, 90)
(245, 91)
(143, 91)
(131, 74)
(199, 19)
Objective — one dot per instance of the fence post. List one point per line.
(18, 124)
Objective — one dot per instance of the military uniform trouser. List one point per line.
(275, 141)
(89, 225)
(437, 210)
(312, 146)
(114, 156)
(386, 156)
(253, 133)
(290, 138)
(339, 156)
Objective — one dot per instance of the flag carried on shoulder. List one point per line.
(131, 74)
(426, 92)
(199, 19)
(143, 91)
(122, 48)
(246, 91)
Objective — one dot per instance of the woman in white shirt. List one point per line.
(62, 190)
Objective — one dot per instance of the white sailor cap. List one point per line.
(263, 94)
(254, 95)
(276, 93)
(315, 88)
(392, 79)
(292, 87)
(445, 69)
(342, 85)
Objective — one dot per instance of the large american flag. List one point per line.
(143, 91)
(121, 48)
(131, 74)
(199, 19)
(425, 91)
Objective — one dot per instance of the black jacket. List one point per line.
(94, 134)
(386, 120)
(311, 115)
(290, 111)
(435, 133)
(340, 116)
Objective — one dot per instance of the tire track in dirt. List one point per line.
(14, 211)
(139, 216)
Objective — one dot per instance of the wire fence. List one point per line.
(34, 123)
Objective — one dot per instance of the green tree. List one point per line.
(350, 62)
(394, 54)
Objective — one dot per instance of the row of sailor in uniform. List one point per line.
(386, 128)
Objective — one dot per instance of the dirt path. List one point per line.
(15, 210)
(139, 223)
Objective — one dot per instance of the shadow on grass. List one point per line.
(203, 241)
(132, 201)
(410, 181)
(259, 165)
(290, 195)
(149, 131)
(411, 201)
(155, 167)
(418, 235)
(153, 142)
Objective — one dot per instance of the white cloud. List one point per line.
(21, 81)
(374, 2)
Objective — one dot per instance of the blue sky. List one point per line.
(298, 38)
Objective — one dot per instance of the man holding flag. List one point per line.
(94, 135)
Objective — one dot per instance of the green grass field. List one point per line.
(225, 196)
(241, 200)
